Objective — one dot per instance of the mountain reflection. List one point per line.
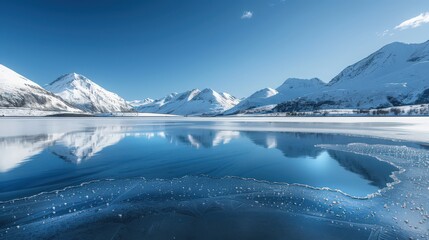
(16, 150)
(297, 145)
(72, 146)
(78, 146)
(201, 137)
(293, 145)
(367, 167)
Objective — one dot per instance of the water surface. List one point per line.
(56, 153)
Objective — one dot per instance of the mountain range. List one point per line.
(193, 102)
(396, 75)
(17, 91)
(266, 99)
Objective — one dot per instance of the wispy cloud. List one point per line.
(386, 32)
(247, 15)
(414, 22)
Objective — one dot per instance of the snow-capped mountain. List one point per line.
(267, 98)
(296, 87)
(395, 75)
(87, 95)
(17, 91)
(263, 97)
(193, 102)
(153, 107)
(176, 103)
(138, 103)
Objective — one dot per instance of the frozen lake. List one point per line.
(162, 177)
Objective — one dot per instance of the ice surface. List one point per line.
(194, 206)
(406, 202)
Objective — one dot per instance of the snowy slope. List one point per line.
(193, 102)
(395, 75)
(267, 98)
(138, 103)
(17, 91)
(177, 105)
(153, 107)
(87, 95)
(262, 97)
(296, 87)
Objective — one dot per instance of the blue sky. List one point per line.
(142, 49)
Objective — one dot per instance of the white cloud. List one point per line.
(247, 15)
(385, 33)
(414, 22)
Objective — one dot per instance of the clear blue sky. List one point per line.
(150, 48)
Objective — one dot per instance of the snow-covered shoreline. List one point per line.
(406, 128)
(28, 112)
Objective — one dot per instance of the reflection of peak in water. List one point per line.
(370, 168)
(16, 150)
(78, 146)
(224, 137)
(293, 145)
(201, 137)
(82, 145)
(296, 145)
(149, 135)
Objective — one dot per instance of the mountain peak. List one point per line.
(18, 91)
(69, 78)
(303, 81)
(264, 93)
(192, 102)
(138, 103)
(388, 59)
(169, 96)
(208, 90)
(208, 94)
(83, 93)
(289, 80)
(188, 95)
